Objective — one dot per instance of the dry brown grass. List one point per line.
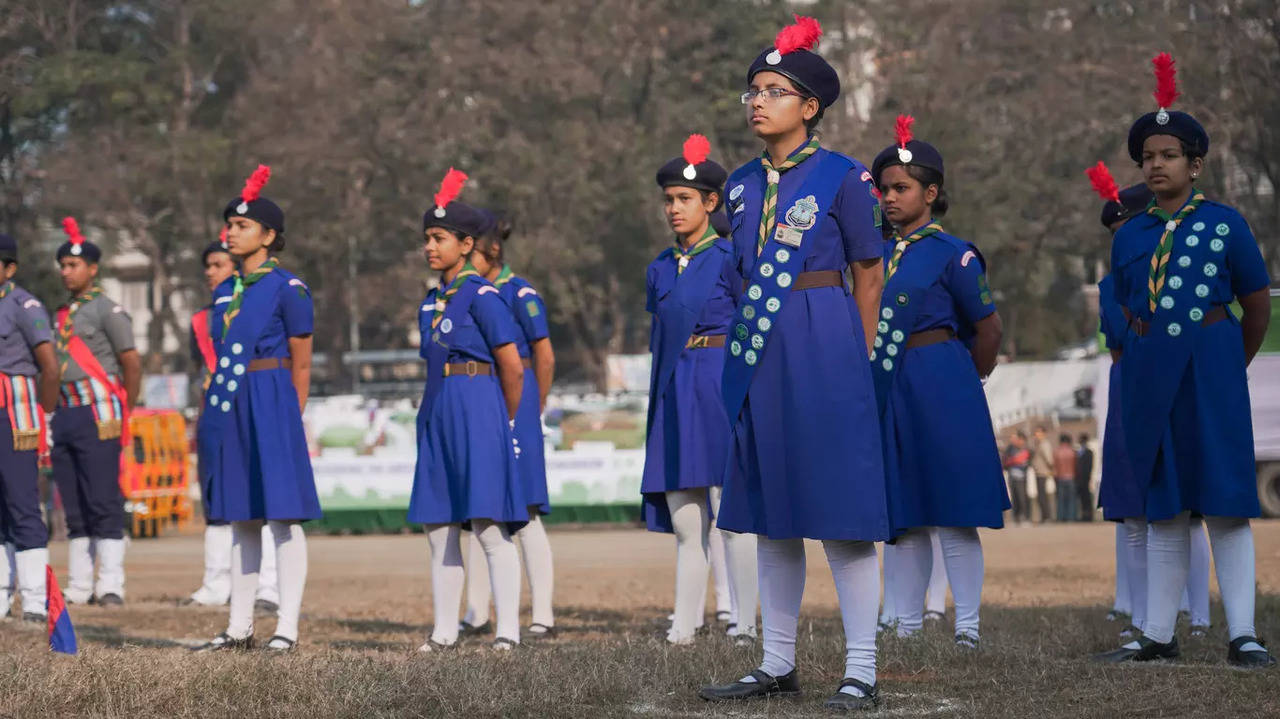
(367, 608)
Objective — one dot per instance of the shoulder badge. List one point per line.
(966, 257)
(487, 289)
(30, 303)
(526, 291)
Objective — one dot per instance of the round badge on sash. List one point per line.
(1198, 226)
(754, 292)
(1216, 244)
(446, 326)
(782, 256)
(735, 348)
(764, 323)
(1210, 270)
(1196, 314)
(1175, 283)
(784, 280)
(773, 304)
(887, 313)
(1192, 240)
(1175, 329)
(1166, 302)
(748, 312)
(750, 357)
(1184, 262)
(1202, 291)
(766, 270)
(1222, 229)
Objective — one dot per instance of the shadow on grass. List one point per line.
(113, 637)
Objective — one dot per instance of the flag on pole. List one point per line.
(62, 636)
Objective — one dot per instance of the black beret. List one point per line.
(211, 249)
(922, 155)
(1177, 124)
(1133, 201)
(806, 69)
(261, 210)
(458, 217)
(8, 248)
(720, 223)
(707, 175)
(89, 252)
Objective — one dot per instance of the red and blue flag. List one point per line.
(62, 636)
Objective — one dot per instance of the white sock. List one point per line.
(535, 548)
(782, 575)
(720, 570)
(856, 572)
(688, 508)
(1168, 557)
(913, 559)
(246, 558)
(962, 552)
(1197, 590)
(1121, 604)
(110, 566)
(447, 576)
(937, 596)
(504, 575)
(1233, 555)
(888, 613)
(268, 572)
(80, 552)
(215, 588)
(743, 575)
(478, 591)
(31, 564)
(1135, 563)
(8, 579)
(291, 549)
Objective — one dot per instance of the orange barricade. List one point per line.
(155, 473)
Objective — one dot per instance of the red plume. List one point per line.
(450, 187)
(1103, 183)
(222, 237)
(253, 186)
(803, 35)
(72, 228)
(696, 149)
(1166, 80)
(902, 129)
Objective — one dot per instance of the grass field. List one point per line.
(368, 607)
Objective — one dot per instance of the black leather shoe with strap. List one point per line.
(1252, 659)
(764, 687)
(226, 642)
(1148, 650)
(845, 702)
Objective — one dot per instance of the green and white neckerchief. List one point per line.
(504, 276)
(242, 283)
(704, 243)
(5, 289)
(1160, 259)
(900, 245)
(66, 328)
(442, 298)
(768, 217)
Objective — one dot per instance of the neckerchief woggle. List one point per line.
(776, 267)
(677, 314)
(1155, 364)
(899, 303)
(704, 243)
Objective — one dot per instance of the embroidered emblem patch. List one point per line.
(803, 214)
(736, 192)
(446, 326)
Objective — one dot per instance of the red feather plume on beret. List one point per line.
(253, 186)
(802, 35)
(450, 186)
(696, 149)
(222, 237)
(72, 228)
(1166, 80)
(902, 129)
(1103, 183)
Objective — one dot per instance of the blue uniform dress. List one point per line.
(1184, 392)
(1119, 494)
(466, 464)
(687, 435)
(253, 451)
(941, 459)
(531, 317)
(805, 458)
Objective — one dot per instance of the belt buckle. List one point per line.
(698, 342)
(473, 368)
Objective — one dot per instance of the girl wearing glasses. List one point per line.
(805, 457)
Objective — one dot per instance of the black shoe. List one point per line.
(541, 631)
(265, 606)
(502, 644)
(1130, 632)
(111, 599)
(763, 687)
(965, 640)
(1148, 650)
(932, 616)
(225, 642)
(34, 618)
(1253, 659)
(467, 630)
(841, 701)
(280, 644)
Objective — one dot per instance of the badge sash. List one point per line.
(776, 267)
(677, 314)
(204, 339)
(83, 356)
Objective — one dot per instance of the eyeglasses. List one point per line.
(770, 94)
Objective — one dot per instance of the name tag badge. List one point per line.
(788, 235)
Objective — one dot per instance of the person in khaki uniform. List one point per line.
(1042, 465)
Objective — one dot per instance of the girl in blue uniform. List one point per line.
(805, 456)
(938, 335)
(253, 451)
(466, 472)
(539, 360)
(1184, 392)
(691, 294)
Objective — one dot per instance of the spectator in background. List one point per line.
(1064, 477)
(1084, 475)
(1042, 464)
(1017, 457)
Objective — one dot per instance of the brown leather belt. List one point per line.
(697, 342)
(270, 363)
(1141, 327)
(468, 369)
(930, 337)
(527, 362)
(813, 280)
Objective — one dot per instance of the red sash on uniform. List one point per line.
(83, 356)
(204, 338)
